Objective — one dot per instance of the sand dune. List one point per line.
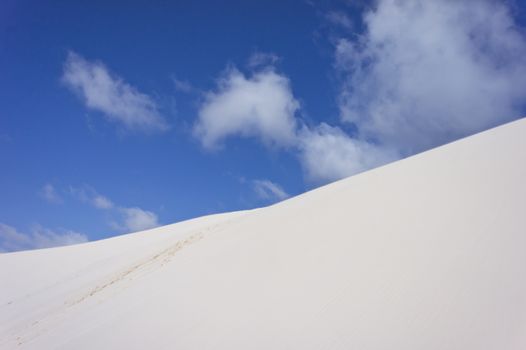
(425, 253)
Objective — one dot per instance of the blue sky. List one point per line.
(120, 116)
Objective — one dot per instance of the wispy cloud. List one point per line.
(89, 195)
(107, 93)
(50, 194)
(269, 191)
(340, 19)
(262, 59)
(5, 138)
(137, 219)
(102, 202)
(184, 86)
(13, 240)
(126, 219)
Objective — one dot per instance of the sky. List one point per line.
(121, 116)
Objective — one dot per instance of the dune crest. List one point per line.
(425, 253)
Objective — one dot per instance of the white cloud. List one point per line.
(137, 219)
(340, 19)
(262, 59)
(264, 107)
(269, 190)
(5, 138)
(184, 86)
(131, 219)
(429, 72)
(328, 154)
(260, 106)
(50, 194)
(89, 195)
(101, 202)
(13, 240)
(424, 73)
(107, 93)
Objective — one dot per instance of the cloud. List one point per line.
(102, 202)
(137, 219)
(423, 73)
(184, 86)
(262, 59)
(328, 154)
(131, 219)
(264, 107)
(261, 106)
(428, 72)
(268, 190)
(13, 240)
(340, 19)
(49, 193)
(5, 138)
(107, 93)
(89, 195)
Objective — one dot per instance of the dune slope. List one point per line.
(425, 253)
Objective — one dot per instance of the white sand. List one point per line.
(426, 253)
